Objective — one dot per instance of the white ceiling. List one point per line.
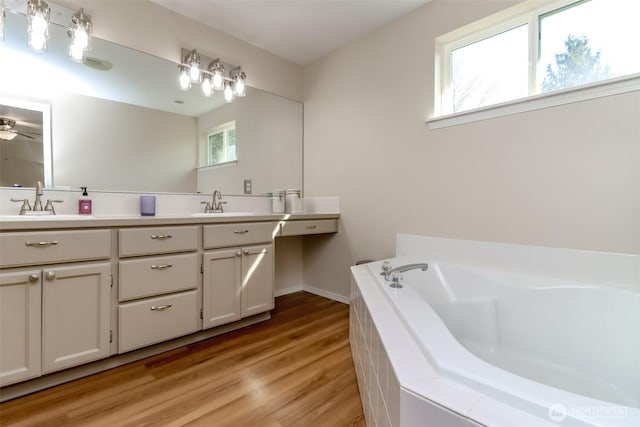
(298, 30)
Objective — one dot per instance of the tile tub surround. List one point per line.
(398, 385)
(389, 363)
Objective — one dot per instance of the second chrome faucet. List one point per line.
(215, 206)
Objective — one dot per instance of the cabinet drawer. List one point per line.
(298, 228)
(222, 235)
(154, 320)
(151, 276)
(44, 247)
(157, 240)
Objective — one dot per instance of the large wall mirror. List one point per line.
(120, 122)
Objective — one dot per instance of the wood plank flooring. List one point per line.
(293, 370)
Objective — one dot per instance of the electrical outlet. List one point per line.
(247, 186)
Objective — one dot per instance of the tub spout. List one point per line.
(402, 268)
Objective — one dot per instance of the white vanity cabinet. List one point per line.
(20, 321)
(75, 315)
(238, 280)
(158, 273)
(55, 305)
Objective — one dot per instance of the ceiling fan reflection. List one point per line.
(7, 131)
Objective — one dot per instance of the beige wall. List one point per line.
(143, 25)
(567, 176)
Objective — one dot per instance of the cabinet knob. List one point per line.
(50, 275)
(34, 278)
(238, 253)
(246, 251)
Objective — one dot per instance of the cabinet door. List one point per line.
(257, 279)
(221, 287)
(75, 315)
(19, 326)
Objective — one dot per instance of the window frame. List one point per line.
(526, 13)
(223, 128)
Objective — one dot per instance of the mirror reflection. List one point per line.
(120, 122)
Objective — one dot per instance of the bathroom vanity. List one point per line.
(82, 294)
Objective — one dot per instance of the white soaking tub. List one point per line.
(552, 350)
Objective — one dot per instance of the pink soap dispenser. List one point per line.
(84, 205)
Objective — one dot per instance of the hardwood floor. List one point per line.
(293, 370)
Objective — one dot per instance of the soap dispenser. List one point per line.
(84, 205)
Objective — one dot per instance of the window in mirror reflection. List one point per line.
(222, 144)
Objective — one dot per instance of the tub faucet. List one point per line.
(386, 272)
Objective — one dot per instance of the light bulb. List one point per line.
(38, 23)
(194, 72)
(80, 33)
(238, 77)
(38, 13)
(38, 42)
(218, 81)
(80, 38)
(185, 81)
(207, 90)
(239, 87)
(217, 69)
(76, 53)
(228, 93)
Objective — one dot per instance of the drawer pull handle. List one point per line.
(161, 307)
(161, 266)
(161, 236)
(42, 244)
(240, 231)
(311, 227)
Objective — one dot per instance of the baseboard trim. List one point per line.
(326, 294)
(312, 290)
(289, 290)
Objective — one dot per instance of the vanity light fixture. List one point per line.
(80, 33)
(212, 78)
(38, 18)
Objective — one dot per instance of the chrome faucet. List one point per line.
(37, 204)
(387, 270)
(215, 206)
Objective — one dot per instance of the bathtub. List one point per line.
(553, 351)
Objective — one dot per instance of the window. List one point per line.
(536, 48)
(222, 144)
